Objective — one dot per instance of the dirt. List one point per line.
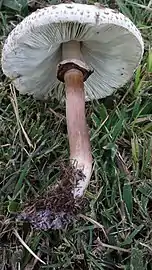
(56, 208)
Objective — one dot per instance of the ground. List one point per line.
(115, 229)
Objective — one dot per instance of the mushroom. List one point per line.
(80, 47)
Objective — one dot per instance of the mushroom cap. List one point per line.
(110, 43)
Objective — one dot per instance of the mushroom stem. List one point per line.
(71, 50)
(80, 149)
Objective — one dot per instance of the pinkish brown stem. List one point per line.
(80, 149)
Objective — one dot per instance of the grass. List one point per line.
(115, 230)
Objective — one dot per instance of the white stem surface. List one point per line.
(71, 50)
(79, 141)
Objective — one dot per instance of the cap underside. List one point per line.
(111, 45)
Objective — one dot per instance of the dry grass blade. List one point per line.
(27, 247)
(148, 8)
(112, 247)
(16, 111)
(94, 222)
(150, 3)
(147, 246)
(33, 264)
(58, 115)
(98, 129)
(37, 3)
(122, 166)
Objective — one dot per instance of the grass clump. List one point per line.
(114, 232)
